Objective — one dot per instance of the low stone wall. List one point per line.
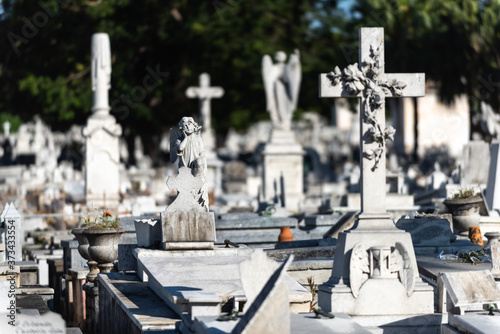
(127, 305)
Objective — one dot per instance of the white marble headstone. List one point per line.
(467, 288)
(269, 311)
(255, 272)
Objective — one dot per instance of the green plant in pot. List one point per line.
(103, 234)
(464, 207)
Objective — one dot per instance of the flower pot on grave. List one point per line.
(103, 246)
(83, 249)
(285, 234)
(475, 235)
(465, 212)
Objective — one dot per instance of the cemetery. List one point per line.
(382, 217)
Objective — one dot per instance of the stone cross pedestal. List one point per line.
(375, 270)
(283, 174)
(185, 224)
(283, 156)
(102, 154)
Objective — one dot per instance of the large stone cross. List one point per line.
(368, 81)
(205, 93)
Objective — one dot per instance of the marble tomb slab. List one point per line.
(467, 288)
(479, 323)
(427, 231)
(200, 282)
(303, 323)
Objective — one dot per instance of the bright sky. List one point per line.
(346, 4)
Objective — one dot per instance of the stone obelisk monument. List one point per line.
(102, 158)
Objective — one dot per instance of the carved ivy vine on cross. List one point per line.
(367, 80)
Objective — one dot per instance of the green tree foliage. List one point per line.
(45, 64)
(45, 58)
(455, 42)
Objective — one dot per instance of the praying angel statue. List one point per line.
(186, 146)
(282, 84)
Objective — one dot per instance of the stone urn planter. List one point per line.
(83, 243)
(492, 238)
(103, 246)
(465, 212)
(83, 249)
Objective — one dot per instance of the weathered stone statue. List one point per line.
(186, 223)
(187, 146)
(282, 84)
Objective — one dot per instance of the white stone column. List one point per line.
(102, 156)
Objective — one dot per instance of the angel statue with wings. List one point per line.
(282, 84)
(186, 146)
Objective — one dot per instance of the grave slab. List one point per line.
(322, 220)
(212, 279)
(49, 322)
(302, 323)
(394, 324)
(427, 231)
(250, 228)
(431, 268)
(480, 323)
(302, 253)
(33, 301)
(466, 290)
(267, 306)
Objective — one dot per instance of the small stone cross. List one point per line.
(205, 93)
(184, 183)
(369, 82)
